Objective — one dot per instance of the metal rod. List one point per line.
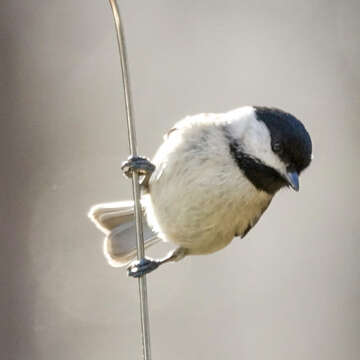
(144, 310)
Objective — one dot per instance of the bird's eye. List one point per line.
(277, 148)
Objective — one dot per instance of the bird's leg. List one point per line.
(142, 166)
(146, 265)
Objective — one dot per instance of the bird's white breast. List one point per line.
(199, 198)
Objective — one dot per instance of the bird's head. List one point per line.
(271, 147)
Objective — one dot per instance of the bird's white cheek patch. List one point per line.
(257, 143)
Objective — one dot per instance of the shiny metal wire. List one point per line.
(144, 309)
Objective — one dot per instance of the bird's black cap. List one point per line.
(289, 138)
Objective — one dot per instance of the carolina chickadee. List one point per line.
(210, 181)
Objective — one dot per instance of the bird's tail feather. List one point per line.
(117, 221)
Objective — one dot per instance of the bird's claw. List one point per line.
(139, 164)
(141, 267)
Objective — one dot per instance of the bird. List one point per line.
(209, 182)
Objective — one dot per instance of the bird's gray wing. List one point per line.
(255, 219)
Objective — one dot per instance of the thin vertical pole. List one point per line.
(144, 311)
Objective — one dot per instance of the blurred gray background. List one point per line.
(289, 290)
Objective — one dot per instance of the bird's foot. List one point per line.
(143, 266)
(140, 165)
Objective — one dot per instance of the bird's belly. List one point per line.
(206, 242)
(203, 219)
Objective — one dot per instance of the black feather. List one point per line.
(289, 138)
(261, 176)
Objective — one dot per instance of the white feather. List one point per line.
(117, 221)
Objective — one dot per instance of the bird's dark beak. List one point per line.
(292, 178)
